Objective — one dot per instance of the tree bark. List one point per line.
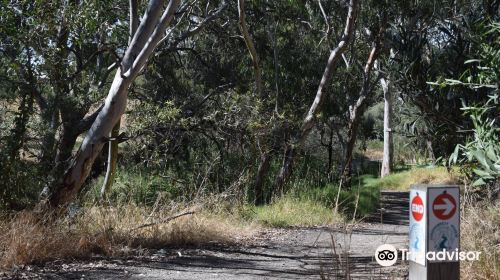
(262, 171)
(352, 134)
(251, 48)
(112, 160)
(113, 144)
(387, 159)
(145, 40)
(330, 152)
(430, 150)
(286, 169)
(310, 119)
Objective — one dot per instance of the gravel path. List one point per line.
(294, 253)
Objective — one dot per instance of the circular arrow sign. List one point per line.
(444, 206)
(417, 208)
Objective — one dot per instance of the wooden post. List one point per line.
(434, 231)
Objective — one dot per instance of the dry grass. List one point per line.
(110, 231)
(480, 231)
(374, 154)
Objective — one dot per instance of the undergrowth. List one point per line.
(401, 181)
(223, 218)
(480, 231)
(28, 238)
(292, 211)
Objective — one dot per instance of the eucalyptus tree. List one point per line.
(309, 120)
(198, 21)
(113, 143)
(148, 35)
(357, 109)
(55, 53)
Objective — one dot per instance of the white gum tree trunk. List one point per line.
(149, 33)
(387, 158)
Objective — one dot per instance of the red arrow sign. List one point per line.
(417, 208)
(444, 206)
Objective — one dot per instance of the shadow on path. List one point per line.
(393, 210)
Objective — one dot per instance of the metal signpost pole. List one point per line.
(434, 241)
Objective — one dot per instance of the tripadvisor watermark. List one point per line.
(387, 255)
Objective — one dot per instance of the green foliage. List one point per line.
(139, 185)
(20, 183)
(194, 121)
(481, 151)
(361, 200)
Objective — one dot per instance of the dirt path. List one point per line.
(296, 253)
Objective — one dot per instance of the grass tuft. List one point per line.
(292, 211)
(401, 181)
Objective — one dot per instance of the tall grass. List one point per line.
(480, 231)
(113, 231)
(292, 211)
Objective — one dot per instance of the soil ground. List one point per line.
(292, 253)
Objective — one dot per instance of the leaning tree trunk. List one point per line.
(113, 144)
(357, 110)
(80, 167)
(352, 134)
(387, 159)
(145, 40)
(310, 119)
(251, 48)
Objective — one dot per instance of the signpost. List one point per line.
(434, 232)
(418, 225)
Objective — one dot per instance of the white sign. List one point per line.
(418, 221)
(444, 219)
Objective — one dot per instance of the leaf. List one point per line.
(454, 155)
(472, 61)
(479, 182)
(490, 153)
(484, 174)
(496, 168)
(480, 156)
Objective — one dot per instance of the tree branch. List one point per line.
(143, 33)
(335, 55)
(198, 28)
(162, 221)
(86, 122)
(250, 47)
(153, 40)
(134, 19)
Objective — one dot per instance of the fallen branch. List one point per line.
(162, 221)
